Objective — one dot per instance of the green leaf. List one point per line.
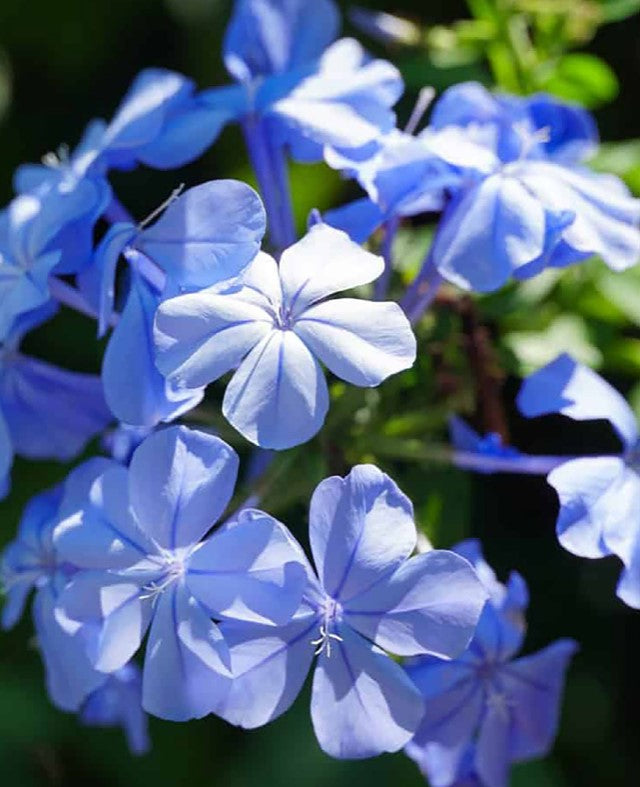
(621, 159)
(583, 78)
(623, 290)
(567, 333)
(616, 10)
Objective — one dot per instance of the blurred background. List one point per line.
(62, 63)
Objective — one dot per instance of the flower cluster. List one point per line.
(149, 597)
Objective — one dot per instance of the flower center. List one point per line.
(174, 569)
(284, 318)
(331, 614)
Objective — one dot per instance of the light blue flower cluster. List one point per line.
(487, 709)
(148, 596)
(508, 175)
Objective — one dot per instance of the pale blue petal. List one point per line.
(201, 336)
(345, 102)
(101, 533)
(363, 703)
(271, 36)
(492, 758)
(207, 235)
(251, 571)
(69, 674)
(452, 712)
(566, 386)
(324, 262)
(269, 665)
(589, 491)
(180, 482)
(359, 219)
(361, 530)
(494, 229)
(361, 342)
(278, 398)
(119, 702)
(607, 217)
(185, 674)
(431, 604)
(134, 389)
(534, 685)
(104, 266)
(51, 413)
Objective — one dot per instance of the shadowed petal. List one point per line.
(363, 703)
(361, 529)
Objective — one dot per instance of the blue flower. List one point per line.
(311, 91)
(137, 534)
(599, 495)
(118, 702)
(485, 710)
(369, 597)
(208, 235)
(30, 563)
(45, 412)
(274, 326)
(518, 198)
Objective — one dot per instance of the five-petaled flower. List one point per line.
(369, 598)
(274, 326)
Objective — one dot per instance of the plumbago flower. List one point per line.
(599, 495)
(206, 236)
(31, 562)
(300, 90)
(485, 710)
(160, 123)
(45, 412)
(137, 533)
(31, 240)
(517, 196)
(368, 598)
(118, 703)
(274, 325)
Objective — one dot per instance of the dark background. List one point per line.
(72, 60)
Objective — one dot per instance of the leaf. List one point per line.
(616, 10)
(621, 159)
(567, 333)
(583, 78)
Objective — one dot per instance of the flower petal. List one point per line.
(180, 482)
(431, 604)
(534, 685)
(568, 387)
(363, 703)
(278, 398)
(495, 228)
(201, 336)
(361, 342)
(185, 670)
(590, 491)
(269, 665)
(324, 262)
(361, 529)
(250, 571)
(207, 235)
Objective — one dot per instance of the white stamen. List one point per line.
(324, 641)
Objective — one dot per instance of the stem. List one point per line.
(522, 465)
(486, 371)
(382, 284)
(270, 165)
(69, 296)
(424, 289)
